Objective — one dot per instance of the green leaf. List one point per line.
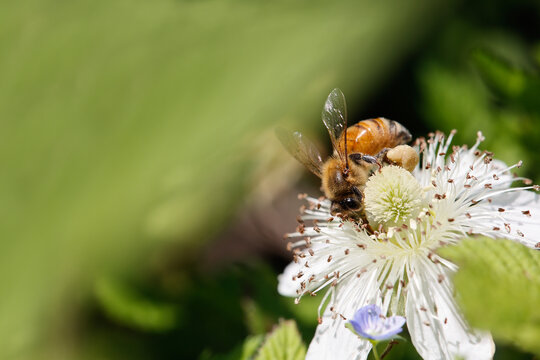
(498, 285)
(250, 346)
(284, 343)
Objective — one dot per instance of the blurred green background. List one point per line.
(143, 193)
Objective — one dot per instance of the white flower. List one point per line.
(454, 192)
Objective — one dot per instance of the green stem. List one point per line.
(375, 353)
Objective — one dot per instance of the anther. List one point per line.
(329, 258)
(501, 210)
(526, 213)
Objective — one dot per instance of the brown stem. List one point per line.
(388, 348)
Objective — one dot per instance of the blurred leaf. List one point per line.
(244, 352)
(284, 343)
(256, 321)
(520, 87)
(499, 286)
(501, 101)
(508, 81)
(131, 309)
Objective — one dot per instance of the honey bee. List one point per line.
(359, 151)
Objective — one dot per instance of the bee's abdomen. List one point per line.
(372, 135)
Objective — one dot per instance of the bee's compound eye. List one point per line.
(350, 203)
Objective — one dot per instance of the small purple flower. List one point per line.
(370, 324)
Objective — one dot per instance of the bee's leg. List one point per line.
(382, 158)
(358, 158)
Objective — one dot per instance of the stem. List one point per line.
(374, 348)
(388, 348)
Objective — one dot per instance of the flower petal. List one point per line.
(296, 273)
(332, 339)
(515, 217)
(287, 284)
(437, 327)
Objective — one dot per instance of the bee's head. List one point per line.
(347, 203)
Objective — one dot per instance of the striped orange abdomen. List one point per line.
(373, 135)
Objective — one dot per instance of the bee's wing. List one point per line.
(302, 149)
(334, 117)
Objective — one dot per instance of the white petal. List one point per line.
(437, 327)
(289, 282)
(332, 340)
(513, 223)
(286, 285)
